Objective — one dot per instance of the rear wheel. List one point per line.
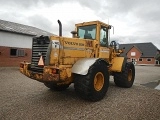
(94, 85)
(125, 78)
(54, 86)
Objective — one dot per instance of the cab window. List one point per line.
(87, 32)
(104, 36)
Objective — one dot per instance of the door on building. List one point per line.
(157, 62)
(133, 60)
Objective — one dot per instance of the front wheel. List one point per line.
(126, 77)
(94, 85)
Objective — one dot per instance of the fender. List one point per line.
(82, 66)
(118, 64)
(124, 64)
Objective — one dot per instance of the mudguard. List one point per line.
(82, 66)
(118, 64)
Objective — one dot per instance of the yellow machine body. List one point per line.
(63, 56)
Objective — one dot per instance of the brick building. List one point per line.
(16, 42)
(141, 53)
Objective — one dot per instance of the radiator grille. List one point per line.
(39, 47)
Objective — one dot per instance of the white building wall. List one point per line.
(15, 40)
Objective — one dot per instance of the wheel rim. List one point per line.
(129, 74)
(98, 81)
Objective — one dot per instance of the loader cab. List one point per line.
(94, 30)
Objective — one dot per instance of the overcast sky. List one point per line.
(134, 21)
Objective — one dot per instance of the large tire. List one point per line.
(125, 78)
(94, 85)
(56, 87)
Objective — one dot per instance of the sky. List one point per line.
(134, 21)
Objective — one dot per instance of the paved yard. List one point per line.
(147, 74)
(24, 99)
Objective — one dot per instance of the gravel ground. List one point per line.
(24, 99)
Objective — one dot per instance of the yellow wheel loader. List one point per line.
(87, 60)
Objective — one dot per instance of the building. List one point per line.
(16, 42)
(141, 53)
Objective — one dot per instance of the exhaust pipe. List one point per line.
(60, 27)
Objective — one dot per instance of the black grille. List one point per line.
(39, 47)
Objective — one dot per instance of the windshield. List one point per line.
(87, 32)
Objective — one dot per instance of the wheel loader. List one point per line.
(87, 60)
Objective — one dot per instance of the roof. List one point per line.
(92, 23)
(21, 29)
(147, 49)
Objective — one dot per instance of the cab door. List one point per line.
(103, 50)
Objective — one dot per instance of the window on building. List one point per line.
(133, 53)
(17, 52)
(21, 53)
(149, 59)
(140, 59)
(13, 52)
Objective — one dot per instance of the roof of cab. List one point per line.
(92, 23)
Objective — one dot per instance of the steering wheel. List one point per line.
(113, 44)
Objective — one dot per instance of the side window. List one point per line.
(14, 52)
(149, 59)
(104, 36)
(21, 53)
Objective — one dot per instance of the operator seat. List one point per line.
(88, 36)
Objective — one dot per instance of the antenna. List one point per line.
(108, 21)
(108, 33)
(113, 29)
